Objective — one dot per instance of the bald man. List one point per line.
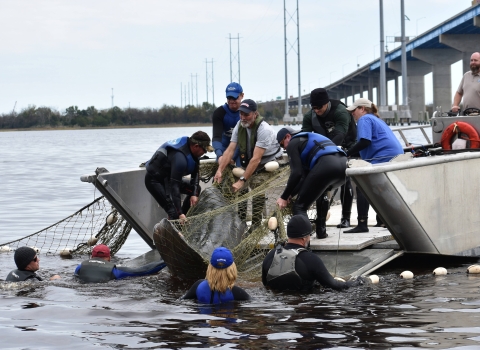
(469, 87)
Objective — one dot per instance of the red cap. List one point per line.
(101, 251)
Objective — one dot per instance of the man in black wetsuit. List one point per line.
(317, 165)
(293, 267)
(99, 268)
(330, 118)
(28, 263)
(165, 170)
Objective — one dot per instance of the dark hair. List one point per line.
(200, 136)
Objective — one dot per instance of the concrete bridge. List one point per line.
(433, 51)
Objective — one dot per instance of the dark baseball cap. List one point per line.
(283, 132)
(248, 106)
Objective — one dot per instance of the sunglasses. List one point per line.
(317, 108)
(35, 259)
(232, 98)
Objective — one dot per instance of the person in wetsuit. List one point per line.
(330, 118)
(28, 263)
(317, 165)
(224, 119)
(294, 267)
(99, 269)
(376, 144)
(165, 170)
(219, 283)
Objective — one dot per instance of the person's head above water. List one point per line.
(222, 271)
(101, 251)
(26, 259)
(299, 229)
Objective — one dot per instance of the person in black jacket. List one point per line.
(293, 267)
(28, 263)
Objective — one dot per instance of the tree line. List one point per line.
(46, 117)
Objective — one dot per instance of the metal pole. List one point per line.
(206, 76)
(196, 87)
(287, 114)
(404, 58)
(112, 97)
(238, 56)
(383, 83)
(213, 89)
(230, 40)
(181, 95)
(298, 55)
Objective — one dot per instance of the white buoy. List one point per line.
(92, 241)
(340, 279)
(271, 166)
(374, 279)
(238, 172)
(272, 223)
(66, 252)
(5, 249)
(473, 269)
(440, 271)
(37, 250)
(406, 275)
(111, 219)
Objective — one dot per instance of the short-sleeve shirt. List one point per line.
(384, 145)
(469, 88)
(266, 139)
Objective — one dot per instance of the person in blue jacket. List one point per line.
(99, 269)
(218, 285)
(376, 143)
(225, 118)
(165, 171)
(317, 165)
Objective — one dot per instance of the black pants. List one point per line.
(160, 190)
(328, 173)
(346, 196)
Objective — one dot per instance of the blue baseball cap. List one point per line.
(221, 258)
(234, 89)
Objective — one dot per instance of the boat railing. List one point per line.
(409, 143)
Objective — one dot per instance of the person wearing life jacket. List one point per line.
(317, 165)
(225, 118)
(165, 170)
(376, 144)
(293, 267)
(219, 283)
(99, 269)
(258, 145)
(28, 263)
(330, 118)
(469, 87)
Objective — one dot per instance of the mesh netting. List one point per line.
(239, 221)
(96, 223)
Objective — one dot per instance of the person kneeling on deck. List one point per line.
(28, 263)
(293, 267)
(258, 146)
(218, 285)
(100, 269)
(165, 170)
(317, 165)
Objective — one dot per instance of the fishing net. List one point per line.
(239, 221)
(95, 223)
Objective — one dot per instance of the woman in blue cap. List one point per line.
(218, 285)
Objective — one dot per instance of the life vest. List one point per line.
(22, 275)
(317, 146)
(181, 144)
(461, 130)
(229, 121)
(207, 296)
(96, 270)
(282, 270)
(325, 125)
(243, 140)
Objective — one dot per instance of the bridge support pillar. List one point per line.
(416, 71)
(441, 61)
(466, 43)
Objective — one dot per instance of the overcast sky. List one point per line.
(63, 53)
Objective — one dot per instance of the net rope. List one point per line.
(96, 223)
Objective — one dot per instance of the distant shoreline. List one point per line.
(110, 127)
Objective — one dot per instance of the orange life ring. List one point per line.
(464, 130)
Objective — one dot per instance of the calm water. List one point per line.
(39, 179)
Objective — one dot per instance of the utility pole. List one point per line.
(383, 85)
(207, 76)
(234, 57)
(181, 95)
(194, 86)
(286, 117)
(112, 97)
